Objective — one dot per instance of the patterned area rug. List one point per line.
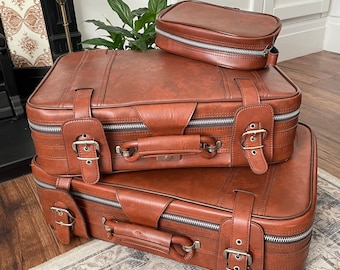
(324, 250)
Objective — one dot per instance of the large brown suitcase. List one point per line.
(223, 36)
(217, 218)
(103, 111)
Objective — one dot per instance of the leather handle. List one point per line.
(168, 147)
(147, 238)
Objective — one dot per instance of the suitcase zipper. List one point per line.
(194, 123)
(215, 227)
(214, 47)
(185, 220)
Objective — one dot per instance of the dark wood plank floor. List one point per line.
(318, 76)
(26, 240)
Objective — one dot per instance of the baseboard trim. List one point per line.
(332, 37)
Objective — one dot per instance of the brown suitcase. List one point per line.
(104, 111)
(217, 218)
(218, 35)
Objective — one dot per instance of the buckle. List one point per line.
(62, 211)
(85, 143)
(238, 254)
(253, 133)
(86, 149)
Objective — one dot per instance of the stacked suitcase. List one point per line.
(191, 154)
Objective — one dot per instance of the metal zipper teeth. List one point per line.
(216, 227)
(212, 47)
(185, 220)
(213, 122)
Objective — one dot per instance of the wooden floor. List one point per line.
(25, 239)
(318, 76)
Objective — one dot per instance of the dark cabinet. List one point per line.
(10, 103)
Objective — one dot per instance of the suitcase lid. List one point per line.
(129, 78)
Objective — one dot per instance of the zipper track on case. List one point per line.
(194, 123)
(184, 220)
(212, 47)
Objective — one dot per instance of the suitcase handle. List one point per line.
(168, 148)
(147, 238)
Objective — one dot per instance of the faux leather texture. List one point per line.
(165, 93)
(205, 23)
(244, 206)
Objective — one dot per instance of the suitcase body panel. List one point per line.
(160, 106)
(201, 209)
(218, 35)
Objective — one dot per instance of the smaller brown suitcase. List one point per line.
(222, 36)
(217, 218)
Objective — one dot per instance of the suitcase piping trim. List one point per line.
(185, 220)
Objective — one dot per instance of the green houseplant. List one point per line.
(137, 32)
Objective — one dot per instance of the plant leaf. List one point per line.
(99, 42)
(138, 44)
(145, 19)
(118, 30)
(139, 12)
(157, 6)
(122, 10)
(119, 42)
(96, 22)
(110, 29)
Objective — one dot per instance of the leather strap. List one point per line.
(241, 241)
(62, 213)
(82, 103)
(240, 231)
(253, 129)
(250, 94)
(63, 220)
(64, 183)
(87, 149)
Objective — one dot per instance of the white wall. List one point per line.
(99, 10)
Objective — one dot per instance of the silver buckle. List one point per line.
(253, 133)
(62, 211)
(238, 254)
(85, 143)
